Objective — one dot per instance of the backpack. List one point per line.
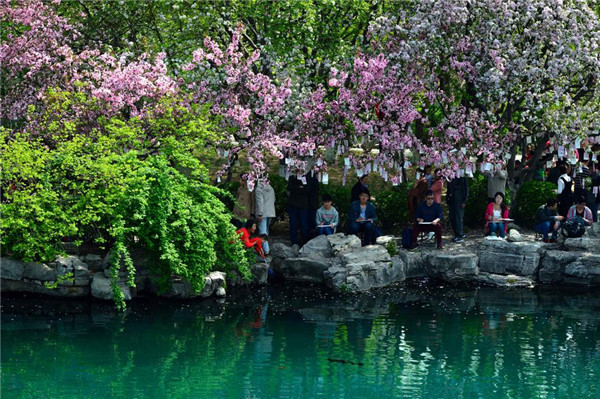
(407, 238)
(573, 228)
(566, 196)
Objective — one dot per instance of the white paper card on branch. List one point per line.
(528, 139)
(218, 179)
(287, 161)
(406, 164)
(418, 176)
(226, 153)
(507, 156)
(586, 156)
(548, 164)
(463, 150)
(325, 178)
(594, 157)
(360, 172)
(577, 143)
(319, 162)
(561, 152)
(487, 167)
(346, 161)
(310, 152)
(595, 190)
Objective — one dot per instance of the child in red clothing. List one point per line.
(256, 242)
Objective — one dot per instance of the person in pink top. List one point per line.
(495, 212)
(437, 186)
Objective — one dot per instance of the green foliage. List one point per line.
(477, 202)
(111, 188)
(392, 208)
(392, 248)
(60, 279)
(530, 197)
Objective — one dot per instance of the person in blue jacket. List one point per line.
(362, 218)
(428, 218)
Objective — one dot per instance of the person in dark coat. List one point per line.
(456, 197)
(362, 218)
(298, 191)
(428, 218)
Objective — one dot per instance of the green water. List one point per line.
(419, 342)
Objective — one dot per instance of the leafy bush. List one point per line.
(112, 189)
(530, 197)
(392, 208)
(477, 202)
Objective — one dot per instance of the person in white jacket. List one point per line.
(265, 206)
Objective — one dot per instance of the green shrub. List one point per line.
(392, 208)
(530, 197)
(477, 202)
(107, 188)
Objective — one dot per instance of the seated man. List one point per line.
(362, 217)
(327, 217)
(428, 218)
(547, 219)
(261, 247)
(580, 212)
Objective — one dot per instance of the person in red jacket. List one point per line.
(256, 242)
(495, 216)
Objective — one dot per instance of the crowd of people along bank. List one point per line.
(577, 201)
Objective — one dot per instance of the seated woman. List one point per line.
(580, 211)
(261, 247)
(362, 217)
(495, 212)
(327, 217)
(428, 218)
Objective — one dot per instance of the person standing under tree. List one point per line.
(264, 197)
(456, 197)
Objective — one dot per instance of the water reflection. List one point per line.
(296, 342)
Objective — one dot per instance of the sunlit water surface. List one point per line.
(301, 342)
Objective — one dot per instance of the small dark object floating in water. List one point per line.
(345, 361)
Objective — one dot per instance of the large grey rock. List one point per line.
(72, 264)
(584, 271)
(553, 265)
(414, 264)
(282, 251)
(501, 280)
(11, 269)
(514, 236)
(37, 287)
(594, 231)
(384, 240)
(94, 262)
(585, 243)
(452, 267)
(259, 275)
(501, 257)
(369, 253)
(39, 271)
(341, 243)
(102, 289)
(305, 268)
(318, 246)
(365, 275)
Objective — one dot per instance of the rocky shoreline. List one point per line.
(339, 263)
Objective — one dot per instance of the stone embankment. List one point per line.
(80, 276)
(338, 262)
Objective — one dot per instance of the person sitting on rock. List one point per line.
(547, 219)
(428, 218)
(362, 217)
(495, 212)
(327, 217)
(261, 247)
(580, 212)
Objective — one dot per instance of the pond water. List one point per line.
(425, 341)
